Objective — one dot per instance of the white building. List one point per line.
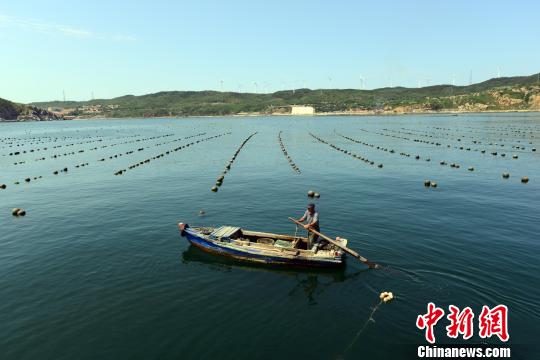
(302, 110)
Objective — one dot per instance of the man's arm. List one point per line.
(302, 218)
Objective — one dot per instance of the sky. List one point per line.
(105, 48)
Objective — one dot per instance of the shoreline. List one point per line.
(248, 115)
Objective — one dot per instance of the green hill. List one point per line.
(507, 93)
(13, 111)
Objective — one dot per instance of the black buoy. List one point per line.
(311, 193)
(427, 183)
(525, 179)
(506, 175)
(3, 186)
(433, 184)
(214, 188)
(15, 211)
(317, 195)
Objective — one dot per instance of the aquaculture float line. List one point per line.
(227, 168)
(115, 156)
(289, 159)
(392, 151)
(168, 152)
(66, 169)
(55, 156)
(346, 152)
(21, 152)
(505, 175)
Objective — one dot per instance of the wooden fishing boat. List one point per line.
(263, 247)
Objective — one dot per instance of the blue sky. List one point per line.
(114, 48)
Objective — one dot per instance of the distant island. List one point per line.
(520, 93)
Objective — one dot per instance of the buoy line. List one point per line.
(219, 180)
(284, 150)
(346, 152)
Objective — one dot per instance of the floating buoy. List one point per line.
(427, 183)
(317, 195)
(214, 188)
(202, 213)
(470, 168)
(27, 179)
(433, 184)
(525, 179)
(506, 175)
(21, 212)
(3, 186)
(380, 166)
(514, 157)
(386, 296)
(311, 193)
(533, 149)
(15, 211)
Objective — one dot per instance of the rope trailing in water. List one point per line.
(384, 298)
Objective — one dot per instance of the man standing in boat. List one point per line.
(311, 217)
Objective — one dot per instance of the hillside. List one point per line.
(19, 112)
(507, 93)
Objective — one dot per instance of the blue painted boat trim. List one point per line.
(212, 247)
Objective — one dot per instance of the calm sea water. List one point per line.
(97, 270)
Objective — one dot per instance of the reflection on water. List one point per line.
(311, 282)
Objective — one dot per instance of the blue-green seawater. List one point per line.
(97, 269)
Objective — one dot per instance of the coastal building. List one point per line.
(302, 110)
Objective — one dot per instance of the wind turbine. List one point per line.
(362, 82)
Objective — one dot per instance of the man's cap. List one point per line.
(311, 205)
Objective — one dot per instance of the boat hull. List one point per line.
(249, 256)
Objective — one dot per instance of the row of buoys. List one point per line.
(55, 156)
(470, 168)
(506, 131)
(289, 159)
(50, 140)
(219, 180)
(346, 152)
(64, 170)
(313, 194)
(18, 212)
(21, 152)
(451, 135)
(391, 151)
(466, 148)
(474, 141)
(115, 156)
(168, 152)
(417, 157)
